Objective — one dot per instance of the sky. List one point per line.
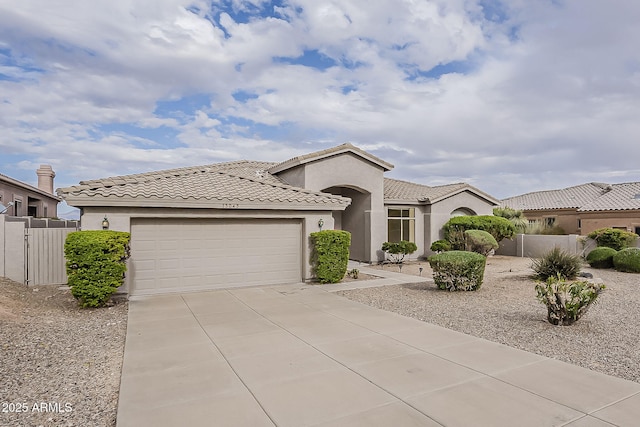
(509, 96)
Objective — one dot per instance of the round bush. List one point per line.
(627, 260)
(441, 246)
(601, 257)
(613, 238)
(458, 270)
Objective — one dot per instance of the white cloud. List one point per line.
(548, 88)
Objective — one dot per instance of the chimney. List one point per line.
(45, 178)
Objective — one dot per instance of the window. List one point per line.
(637, 231)
(549, 221)
(579, 223)
(17, 207)
(401, 224)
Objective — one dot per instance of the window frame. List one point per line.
(406, 223)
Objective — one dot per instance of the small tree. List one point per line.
(516, 217)
(397, 251)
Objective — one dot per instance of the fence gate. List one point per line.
(44, 255)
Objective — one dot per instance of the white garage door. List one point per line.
(171, 255)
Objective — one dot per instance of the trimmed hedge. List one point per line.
(601, 257)
(330, 254)
(458, 270)
(441, 246)
(613, 238)
(479, 241)
(96, 263)
(627, 260)
(500, 228)
(397, 251)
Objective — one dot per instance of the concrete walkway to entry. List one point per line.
(297, 355)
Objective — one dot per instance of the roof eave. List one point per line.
(313, 157)
(226, 204)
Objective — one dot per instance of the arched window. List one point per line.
(462, 212)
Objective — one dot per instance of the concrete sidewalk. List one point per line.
(297, 355)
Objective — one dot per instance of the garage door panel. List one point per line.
(182, 255)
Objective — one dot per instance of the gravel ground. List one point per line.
(505, 310)
(60, 364)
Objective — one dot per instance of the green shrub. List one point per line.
(330, 254)
(479, 241)
(96, 263)
(556, 263)
(613, 238)
(397, 251)
(566, 302)
(500, 228)
(627, 260)
(458, 270)
(515, 216)
(441, 246)
(601, 257)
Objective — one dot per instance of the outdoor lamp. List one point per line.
(320, 223)
(105, 223)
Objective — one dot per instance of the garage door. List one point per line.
(169, 255)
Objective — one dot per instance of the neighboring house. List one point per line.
(248, 222)
(583, 208)
(25, 200)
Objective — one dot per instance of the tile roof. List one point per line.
(343, 148)
(395, 189)
(593, 196)
(234, 182)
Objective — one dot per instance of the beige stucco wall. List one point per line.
(350, 171)
(589, 221)
(120, 220)
(623, 219)
(440, 212)
(11, 193)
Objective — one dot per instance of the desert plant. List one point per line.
(627, 260)
(601, 257)
(613, 238)
(441, 246)
(397, 251)
(557, 262)
(458, 270)
(96, 263)
(330, 254)
(566, 301)
(353, 273)
(479, 241)
(515, 216)
(499, 228)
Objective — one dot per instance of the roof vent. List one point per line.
(637, 196)
(260, 174)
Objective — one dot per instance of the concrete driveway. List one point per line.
(298, 355)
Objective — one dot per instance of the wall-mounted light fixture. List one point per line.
(320, 223)
(105, 223)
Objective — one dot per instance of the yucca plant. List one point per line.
(557, 263)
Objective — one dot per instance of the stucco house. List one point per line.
(248, 222)
(583, 208)
(20, 199)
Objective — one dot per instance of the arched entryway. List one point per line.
(353, 218)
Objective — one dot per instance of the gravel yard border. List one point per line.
(505, 310)
(60, 364)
